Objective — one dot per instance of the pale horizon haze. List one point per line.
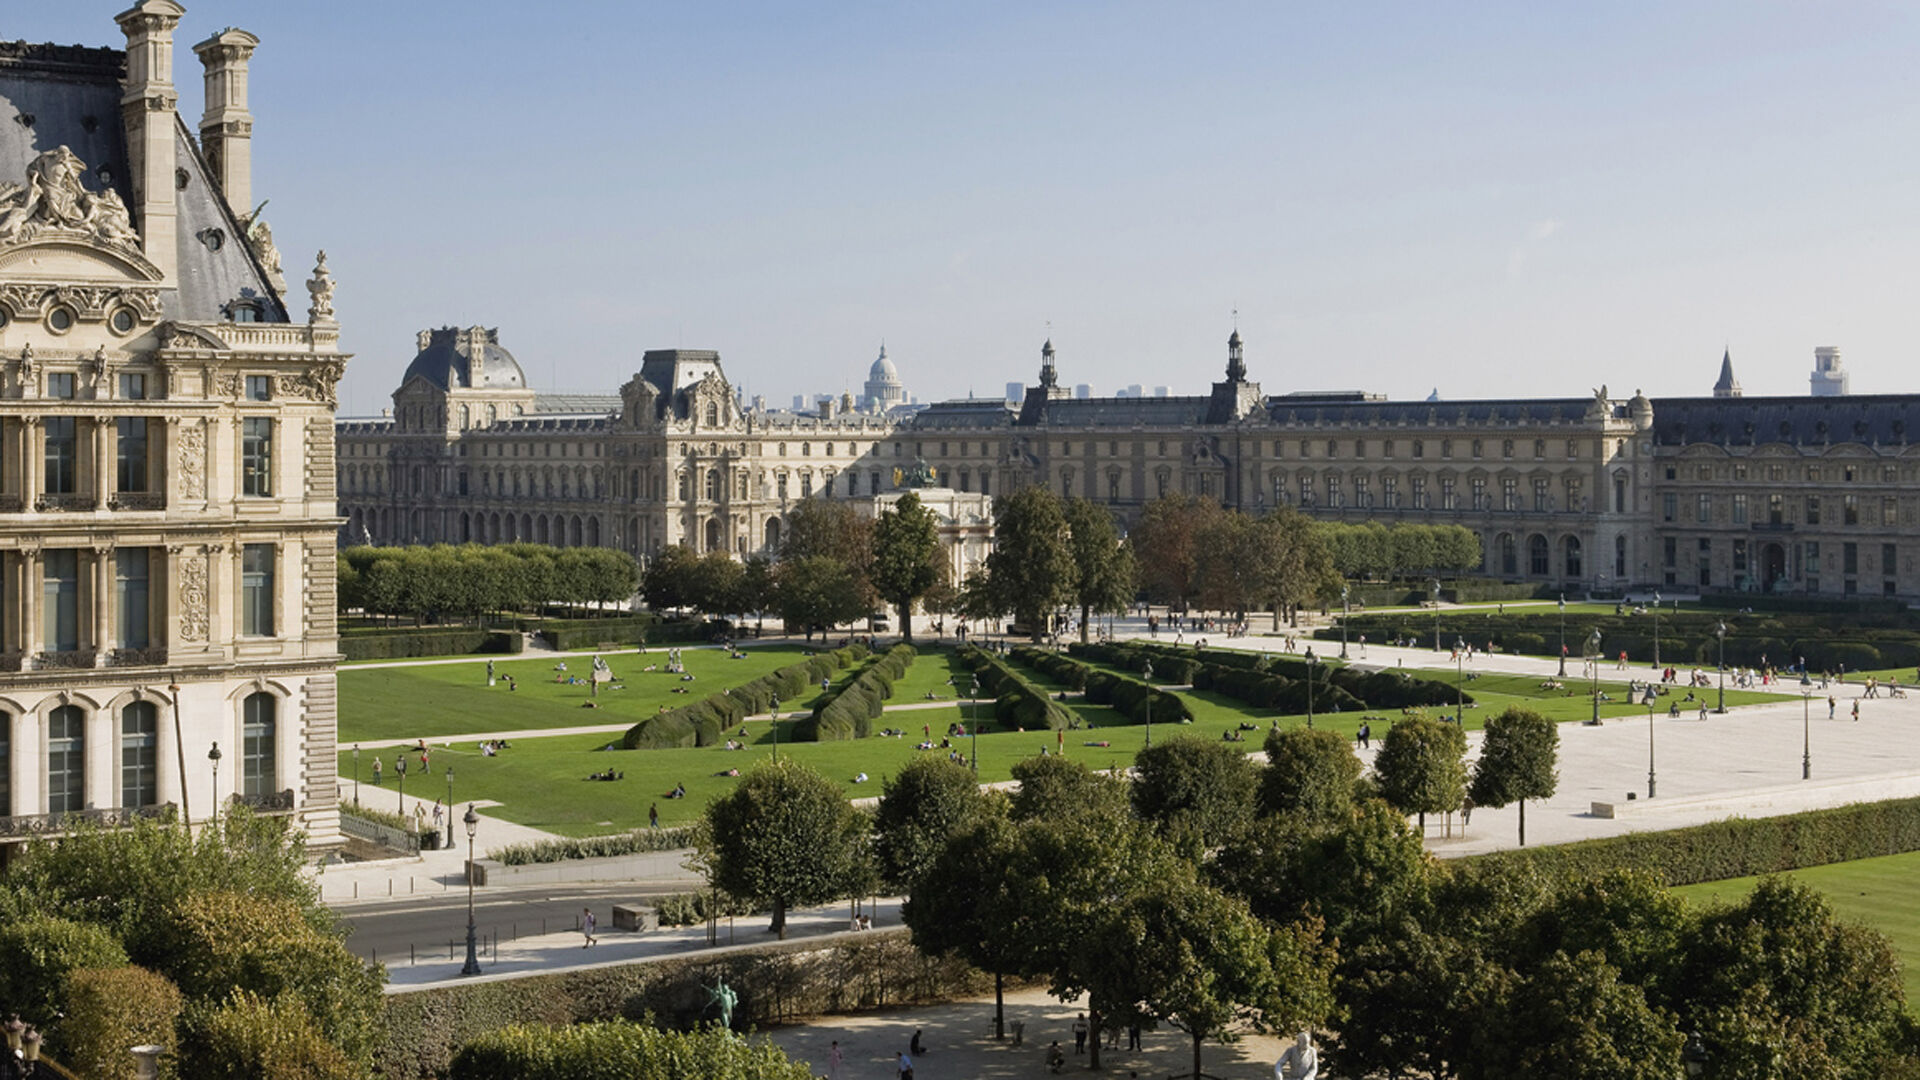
(1496, 200)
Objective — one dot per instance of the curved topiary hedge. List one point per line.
(1017, 703)
(1126, 695)
(849, 713)
(706, 722)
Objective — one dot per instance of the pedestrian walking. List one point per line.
(586, 927)
(836, 1057)
(1832, 703)
(653, 816)
(906, 1066)
(1133, 1036)
(1365, 735)
(1856, 710)
(1080, 1034)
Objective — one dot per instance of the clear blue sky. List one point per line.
(1497, 199)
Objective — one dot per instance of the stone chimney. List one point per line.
(147, 108)
(226, 128)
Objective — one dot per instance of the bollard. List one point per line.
(411, 959)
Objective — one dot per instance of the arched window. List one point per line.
(1537, 561)
(258, 734)
(1509, 555)
(66, 759)
(139, 749)
(713, 414)
(1573, 561)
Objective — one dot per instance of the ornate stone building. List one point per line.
(1594, 493)
(167, 530)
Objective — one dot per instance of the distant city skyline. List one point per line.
(1500, 200)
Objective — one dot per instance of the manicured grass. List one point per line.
(1877, 892)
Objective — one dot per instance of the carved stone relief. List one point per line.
(193, 459)
(53, 202)
(194, 599)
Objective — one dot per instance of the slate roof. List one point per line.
(964, 413)
(595, 404)
(73, 95)
(1285, 410)
(451, 361)
(1872, 419)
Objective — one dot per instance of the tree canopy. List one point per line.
(1030, 570)
(1518, 751)
(785, 836)
(1104, 569)
(908, 559)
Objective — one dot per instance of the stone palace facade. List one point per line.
(1812, 494)
(167, 530)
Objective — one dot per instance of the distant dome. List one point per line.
(883, 370)
(472, 359)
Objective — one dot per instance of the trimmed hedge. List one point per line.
(1017, 704)
(1736, 847)
(622, 1049)
(1128, 696)
(706, 722)
(636, 842)
(1277, 682)
(776, 982)
(849, 712)
(427, 641)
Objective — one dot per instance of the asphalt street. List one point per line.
(397, 932)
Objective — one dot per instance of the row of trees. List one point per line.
(1211, 892)
(1378, 552)
(470, 581)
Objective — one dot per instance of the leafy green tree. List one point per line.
(908, 559)
(1031, 566)
(248, 1034)
(1198, 791)
(670, 578)
(1310, 774)
(1166, 546)
(1518, 756)
(834, 529)
(784, 837)
(1365, 877)
(978, 601)
(1626, 916)
(921, 807)
(1104, 570)
(1420, 766)
(756, 588)
(1055, 786)
(1572, 1017)
(966, 904)
(713, 586)
(38, 950)
(108, 1010)
(817, 591)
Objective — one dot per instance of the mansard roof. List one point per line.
(1310, 412)
(1873, 419)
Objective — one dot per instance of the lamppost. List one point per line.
(472, 967)
(1563, 635)
(1720, 631)
(1806, 727)
(213, 756)
(23, 1047)
(1433, 588)
(400, 770)
(773, 706)
(180, 752)
(1459, 681)
(356, 774)
(1593, 666)
(1146, 676)
(1310, 663)
(449, 802)
(1346, 611)
(1649, 703)
(1656, 631)
(973, 718)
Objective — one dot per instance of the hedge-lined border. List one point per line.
(848, 713)
(634, 842)
(1017, 703)
(705, 722)
(1135, 700)
(426, 641)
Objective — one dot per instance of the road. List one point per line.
(423, 927)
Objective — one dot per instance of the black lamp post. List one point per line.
(1656, 631)
(356, 774)
(472, 967)
(446, 838)
(773, 706)
(1593, 664)
(400, 770)
(213, 756)
(1146, 676)
(1460, 681)
(1693, 1055)
(973, 721)
(1563, 635)
(23, 1048)
(1346, 610)
(1649, 702)
(1310, 663)
(1720, 631)
(1806, 727)
(1433, 588)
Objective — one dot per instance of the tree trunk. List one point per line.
(1085, 610)
(1093, 1034)
(906, 622)
(999, 1006)
(1523, 823)
(1196, 1056)
(779, 918)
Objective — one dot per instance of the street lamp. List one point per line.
(400, 770)
(23, 1047)
(1459, 681)
(213, 756)
(449, 839)
(1433, 587)
(1806, 727)
(773, 706)
(473, 955)
(1593, 665)
(1346, 611)
(356, 774)
(1563, 635)
(1146, 676)
(973, 716)
(1656, 631)
(1720, 631)
(1649, 702)
(1310, 663)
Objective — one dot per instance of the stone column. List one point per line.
(30, 598)
(30, 461)
(147, 110)
(101, 630)
(104, 431)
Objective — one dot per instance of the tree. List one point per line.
(669, 580)
(1517, 761)
(1165, 545)
(785, 836)
(756, 588)
(965, 905)
(1420, 768)
(908, 559)
(1103, 566)
(817, 590)
(1055, 786)
(1031, 566)
(713, 584)
(1309, 774)
(834, 529)
(921, 807)
(1198, 791)
(1572, 1017)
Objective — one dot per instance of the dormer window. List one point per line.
(243, 312)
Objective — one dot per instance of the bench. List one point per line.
(635, 917)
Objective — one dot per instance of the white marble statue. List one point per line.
(1300, 1061)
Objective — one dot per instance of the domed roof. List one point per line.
(883, 370)
(451, 358)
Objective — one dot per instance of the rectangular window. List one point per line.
(1703, 509)
(1813, 509)
(1850, 509)
(133, 386)
(1334, 496)
(986, 482)
(1449, 499)
(1480, 498)
(66, 760)
(1706, 563)
(256, 456)
(1390, 492)
(259, 388)
(256, 590)
(873, 482)
(1849, 558)
(6, 765)
(1419, 448)
(132, 453)
(257, 751)
(60, 599)
(1419, 484)
(139, 750)
(1776, 509)
(1362, 492)
(1306, 489)
(1670, 548)
(60, 385)
(1888, 566)
(1739, 557)
(133, 614)
(1889, 511)
(1541, 500)
(1509, 494)
(62, 454)
(806, 485)
(1739, 509)
(1669, 506)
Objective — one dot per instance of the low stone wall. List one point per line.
(650, 866)
(775, 982)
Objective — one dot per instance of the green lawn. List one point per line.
(1877, 892)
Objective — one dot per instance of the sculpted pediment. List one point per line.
(182, 335)
(53, 228)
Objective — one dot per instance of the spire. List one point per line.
(1049, 378)
(1236, 365)
(1727, 386)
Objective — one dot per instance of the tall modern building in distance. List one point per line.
(167, 530)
